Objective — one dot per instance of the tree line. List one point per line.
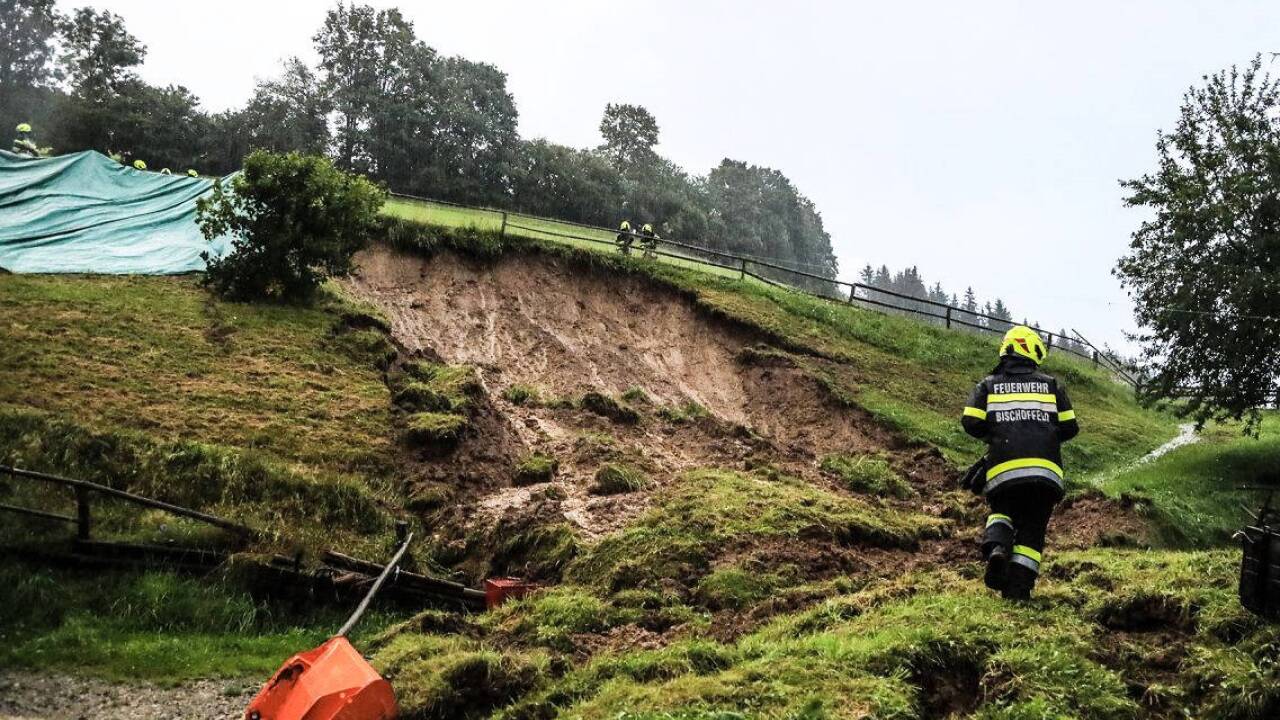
(968, 311)
(381, 102)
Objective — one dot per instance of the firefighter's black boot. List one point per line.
(997, 573)
(997, 546)
(1021, 580)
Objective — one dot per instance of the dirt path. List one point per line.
(62, 697)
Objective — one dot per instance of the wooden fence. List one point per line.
(781, 276)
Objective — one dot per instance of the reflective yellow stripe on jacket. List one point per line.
(1021, 464)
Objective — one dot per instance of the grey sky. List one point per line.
(979, 141)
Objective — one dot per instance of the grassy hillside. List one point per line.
(736, 589)
(1193, 494)
(913, 376)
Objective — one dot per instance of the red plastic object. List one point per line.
(331, 682)
(498, 590)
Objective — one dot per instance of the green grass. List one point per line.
(158, 355)
(435, 430)
(917, 645)
(616, 478)
(709, 514)
(152, 625)
(1192, 493)
(532, 228)
(867, 473)
(537, 468)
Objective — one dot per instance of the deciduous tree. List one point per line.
(1204, 269)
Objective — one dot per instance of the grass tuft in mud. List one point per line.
(435, 430)
(709, 513)
(537, 468)
(616, 478)
(867, 473)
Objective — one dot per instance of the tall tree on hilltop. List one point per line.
(289, 112)
(475, 138)
(362, 52)
(630, 134)
(99, 56)
(1204, 269)
(99, 53)
(28, 31)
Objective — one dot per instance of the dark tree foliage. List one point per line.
(28, 31)
(295, 219)
(99, 53)
(911, 283)
(564, 182)
(163, 126)
(288, 113)
(1204, 270)
(757, 210)
(98, 56)
(630, 134)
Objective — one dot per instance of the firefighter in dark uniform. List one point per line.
(1024, 416)
(23, 144)
(649, 240)
(625, 237)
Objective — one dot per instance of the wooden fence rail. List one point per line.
(83, 489)
(857, 293)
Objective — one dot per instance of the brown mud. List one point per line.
(563, 330)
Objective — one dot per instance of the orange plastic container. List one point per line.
(330, 682)
(499, 590)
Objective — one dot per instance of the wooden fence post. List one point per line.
(82, 513)
(1050, 340)
(743, 274)
(1095, 358)
(503, 232)
(853, 290)
(948, 317)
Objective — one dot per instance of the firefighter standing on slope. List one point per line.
(625, 237)
(1024, 416)
(649, 240)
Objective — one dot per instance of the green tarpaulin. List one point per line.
(87, 213)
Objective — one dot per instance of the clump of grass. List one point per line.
(422, 396)
(688, 411)
(519, 394)
(537, 468)
(735, 588)
(605, 406)
(439, 388)
(616, 478)
(448, 677)
(435, 430)
(635, 394)
(538, 551)
(708, 511)
(552, 617)
(867, 473)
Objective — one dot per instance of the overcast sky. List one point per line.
(981, 142)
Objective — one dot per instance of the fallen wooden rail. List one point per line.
(335, 571)
(84, 487)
